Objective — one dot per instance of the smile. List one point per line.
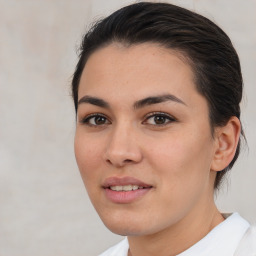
(126, 188)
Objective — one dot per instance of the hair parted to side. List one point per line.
(209, 51)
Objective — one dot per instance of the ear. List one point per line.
(226, 138)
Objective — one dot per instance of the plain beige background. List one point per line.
(44, 209)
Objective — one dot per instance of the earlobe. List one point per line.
(226, 138)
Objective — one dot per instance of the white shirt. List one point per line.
(231, 237)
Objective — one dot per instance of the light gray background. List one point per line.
(44, 209)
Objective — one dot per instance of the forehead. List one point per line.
(137, 71)
(140, 64)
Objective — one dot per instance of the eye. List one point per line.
(95, 120)
(159, 119)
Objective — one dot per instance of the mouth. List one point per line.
(125, 189)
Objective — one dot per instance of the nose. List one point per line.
(122, 147)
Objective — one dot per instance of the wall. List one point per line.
(44, 209)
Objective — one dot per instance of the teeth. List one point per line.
(125, 188)
(117, 188)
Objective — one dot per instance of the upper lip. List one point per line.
(122, 181)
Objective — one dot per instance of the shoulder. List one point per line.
(120, 249)
(247, 245)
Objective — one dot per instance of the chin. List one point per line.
(133, 226)
(125, 226)
(126, 230)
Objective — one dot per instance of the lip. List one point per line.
(125, 197)
(122, 181)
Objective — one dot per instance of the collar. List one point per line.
(222, 240)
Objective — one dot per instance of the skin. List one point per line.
(179, 157)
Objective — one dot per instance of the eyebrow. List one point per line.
(138, 104)
(94, 101)
(157, 99)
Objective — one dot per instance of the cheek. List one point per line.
(88, 155)
(183, 177)
(191, 150)
(182, 163)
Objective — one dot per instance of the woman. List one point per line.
(157, 91)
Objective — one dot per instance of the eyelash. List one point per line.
(166, 117)
(88, 118)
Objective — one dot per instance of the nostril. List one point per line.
(127, 160)
(108, 161)
(122, 157)
(119, 163)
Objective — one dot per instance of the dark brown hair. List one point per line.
(209, 50)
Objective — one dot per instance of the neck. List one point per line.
(179, 237)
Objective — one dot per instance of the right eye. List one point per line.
(95, 120)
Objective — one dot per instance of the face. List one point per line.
(143, 141)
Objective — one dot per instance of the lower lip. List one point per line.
(125, 197)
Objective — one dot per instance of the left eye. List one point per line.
(159, 119)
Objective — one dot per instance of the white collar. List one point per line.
(222, 240)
